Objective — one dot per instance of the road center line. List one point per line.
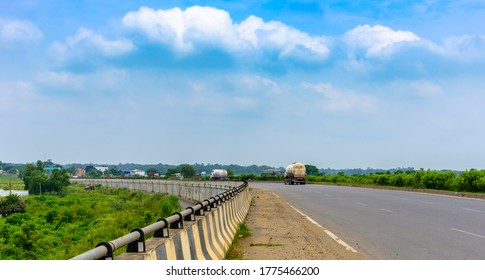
(467, 232)
(385, 210)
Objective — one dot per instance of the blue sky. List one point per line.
(339, 84)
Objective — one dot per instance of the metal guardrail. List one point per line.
(135, 240)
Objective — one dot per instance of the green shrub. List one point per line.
(61, 227)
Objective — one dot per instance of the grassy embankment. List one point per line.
(60, 227)
(235, 252)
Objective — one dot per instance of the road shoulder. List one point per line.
(279, 232)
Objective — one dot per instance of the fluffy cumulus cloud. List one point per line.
(196, 27)
(87, 41)
(182, 29)
(278, 36)
(19, 31)
(378, 40)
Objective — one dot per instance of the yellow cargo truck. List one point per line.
(295, 173)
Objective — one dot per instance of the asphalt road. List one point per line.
(388, 225)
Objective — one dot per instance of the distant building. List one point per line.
(153, 174)
(50, 169)
(138, 172)
(101, 168)
(80, 172)
(128, 173)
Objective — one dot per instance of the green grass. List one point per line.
(57, 228)
(7, 181)
(235, 251)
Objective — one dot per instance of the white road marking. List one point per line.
(385, 210)
(329, 233)
(275, 195)
(474, 210)
(467, 232)
(360, 203)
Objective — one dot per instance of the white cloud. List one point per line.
(103, 80)
(86, 40)
(18, 98)
(19, 31)
(421, 88)
(62, 80)
(338, 100)
(187, 30)
(464, 47)
(278, 36)
(378, 40)
(425, 88)
(182, 28)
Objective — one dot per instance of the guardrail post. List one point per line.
(163, 232)
(179, 223)
(139, 245)
(200, 212)
(208, 206)
(214, 204)
(109, 255)
(191, 216)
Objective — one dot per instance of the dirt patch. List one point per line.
(281, 233)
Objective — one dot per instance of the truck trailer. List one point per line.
(218, 174)
(295, 173)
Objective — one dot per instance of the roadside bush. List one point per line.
(11, 204)
(54, 227)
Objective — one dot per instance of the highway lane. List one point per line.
(388, 225)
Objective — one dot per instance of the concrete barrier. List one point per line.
(206, 238)
(202, 232)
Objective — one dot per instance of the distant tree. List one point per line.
(312, 170)
(151, 171)
(34, 177)
(171, 171)
(187, 170)
(92, 172)
(40, 165)
(58, 181)
(71, 170)
(37, 182)
(114, 171)
(89, 168)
